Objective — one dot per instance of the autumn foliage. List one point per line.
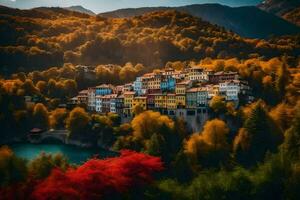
(97, 179)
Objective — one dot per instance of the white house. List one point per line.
(98, 103)
(198, 74)
(231, 89)
(92, 99)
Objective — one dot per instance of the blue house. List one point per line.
(103, 90)
(137, 85)
(168, 84)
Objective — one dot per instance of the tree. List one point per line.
(52, 88)
(42, 165)
(291, 144)
(105, 179)
(12, 169)
(281, 115)
(269, 92)
(149, 122)
(42, 86)
(138, 109)
(78, 122)
(41, 116)
(209, 148)
(259, 136)
(156, 145)
(70, 87)
(181, 167)
(58, 118)
(29, 87)
(282, 79)
(217, 104)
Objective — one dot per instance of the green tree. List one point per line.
(291, 144)
(156, 145)
(42, 166)
(258, 136)
(12, 168)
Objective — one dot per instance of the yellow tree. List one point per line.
(210, 147)
(41, 116)
(58, 118)
(78, 121)
(217, 104)
(148, 123)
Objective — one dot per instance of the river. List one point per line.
(75, 155)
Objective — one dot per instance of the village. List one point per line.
(186, 93)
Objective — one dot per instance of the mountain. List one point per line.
(287, 9)
(293, 16)
(279, 7)
(45, 37)
(80, 9)
(246, 21)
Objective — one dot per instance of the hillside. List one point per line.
(44, 37)
(279, 7)
(80, 9)
(245, 21)
(287, 9)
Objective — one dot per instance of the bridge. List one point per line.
(60, 135)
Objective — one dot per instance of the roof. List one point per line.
(225, 73)
(197, 67)
(109, 96)
(36, 130)
(186, 82)
(198, 89)
(148, 74)
(83, 91)
(104, 86)
(129, 93)
(140, 97)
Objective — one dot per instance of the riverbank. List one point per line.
(74, 154)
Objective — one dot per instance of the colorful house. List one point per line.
(168, 83)
(171, 101)
(103, 89)
(141, 101)
(128, 100)
(91, 99)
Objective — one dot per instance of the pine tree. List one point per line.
(156, 145)
(262, 135)
(282, 78)
(291, 145)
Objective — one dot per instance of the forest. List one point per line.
(247, 152)
(45, 37)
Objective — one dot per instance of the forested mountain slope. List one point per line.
(44, 37)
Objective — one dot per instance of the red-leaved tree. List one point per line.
(97, 179)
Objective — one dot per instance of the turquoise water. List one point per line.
(76, 155)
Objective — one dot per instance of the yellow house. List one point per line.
(154, 82)
(128, 101)
(160, 101)
(171, 102)
(142, 101)
(182, 87)
(180, 101)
